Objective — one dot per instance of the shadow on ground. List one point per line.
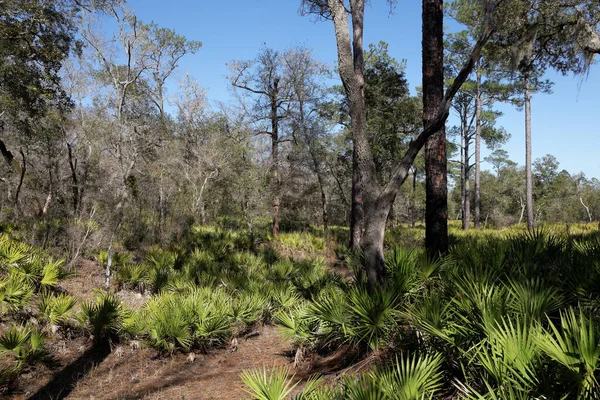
(63, 382)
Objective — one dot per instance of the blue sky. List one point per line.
(562, 123)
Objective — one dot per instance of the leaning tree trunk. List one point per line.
(528, 173)
(477, 188)
(436, 181)
(377, 199)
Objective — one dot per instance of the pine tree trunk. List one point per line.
(528, 172)
(466, 222)
(436, 181)
(477, 188)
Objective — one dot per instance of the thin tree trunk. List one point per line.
(523, 206)
(587, 209)
(462, 170)
(109, 259)
(325, 215)
(275, 155)
(528, 172)
(372, 240)
(74, 178)
(436, 181)
(477, 188)
(249, 223)
(21, 179)
(414, 199)
(466, 222)
(377, 200)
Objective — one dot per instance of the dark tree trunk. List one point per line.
(377, 200)
(436, 182)
(466, 220)
(414, 199)
(74, 178)
(275, 154)
(477, 188)
(21, 180)
(325, 214)
(528, 173)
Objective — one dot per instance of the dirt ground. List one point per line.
(130, 371)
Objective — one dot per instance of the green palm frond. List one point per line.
(103, 316)
(533, 298)
(412, 377)
(14, 338)
(265, 385)
(372, 314)
(15, 292)
(295, 325)
(575, 345)
(56, 309)
(11, 252)
(51, 273)
(509, 354)
(363, 389)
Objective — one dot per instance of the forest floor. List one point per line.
(131, 371)
(126, 371)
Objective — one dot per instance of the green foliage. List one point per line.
(103, 317)
(510, 315)
(412, 378)
(24, 344)
(15, 293)
(56, 309)
(273, 385)
(134, 276)
(372, 313)
(575, 346)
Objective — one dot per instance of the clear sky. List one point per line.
(564, 123)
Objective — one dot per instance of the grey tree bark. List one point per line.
(528, 171)
(477, 188)
(377, 200)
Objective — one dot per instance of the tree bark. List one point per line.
(74, 178)
(21, 179)
(466, 221)
(528, 171)
(356, 210)
(414, 198)
(274, 92)
(477, 188)
(587, 209)
(377, 200)
(436, 181)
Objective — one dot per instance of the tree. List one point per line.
(555, 35)
(491, 84)
(129, 64)
(436, 178)
(271, 91)
(378, 199)
(393, 116)
(309, 128)
(36, 37)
